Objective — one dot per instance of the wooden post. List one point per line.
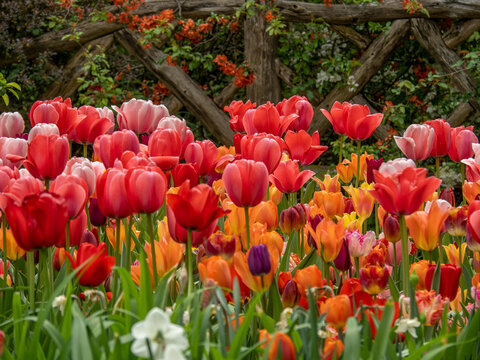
(260, 53)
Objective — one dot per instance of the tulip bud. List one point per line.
(220, 244)
(343, 261)
(349, 208)
(201, 253)
(313, 223)
(182, 172)
(448, 195)
(259, 260)
(293, 218)
(2, 341)
(96, 216)
(456, 222)
(58, 258)
(207, 293)
(391, 228)
(449, 280)
(89, 237)
(290, 296)
(372, 164)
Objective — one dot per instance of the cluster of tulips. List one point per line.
(252, 219)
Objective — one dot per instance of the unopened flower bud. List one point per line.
(259, 260)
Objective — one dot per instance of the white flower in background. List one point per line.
(60, 302)
(404, 325)
(157, 338)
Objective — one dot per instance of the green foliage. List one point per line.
(8, 87)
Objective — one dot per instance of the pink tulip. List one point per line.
(300, 106)
(237, 110)
(164, 148)
(461, 146)
(140, 116)
(42, 128)
(262, 147)
(417, 141)
(73, 190)
(83, 169)
(303, 147)
(11, 125)
(397, 165)
(203, 153)
(288, 178)
(12, 151)
(153, 183)
(174, 123)
(443, 137)
(92, 126)
(56, 111)
(112, 193)
(111, 147)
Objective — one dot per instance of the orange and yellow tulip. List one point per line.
(111, 235)
(328, 184)
(363, 202)
(345, 171)
(329, 204)
(217, 269)
(309, 277)
(328, 237)
(338, 310)
(420, 268)
(14, 252)
(452, 253)
(332, 347)
(363, 165)
(273, 343)
(471, 190)
(265, 213)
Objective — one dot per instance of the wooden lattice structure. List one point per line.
(260, 52)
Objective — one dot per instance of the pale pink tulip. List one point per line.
(417, 141)
(140, 116)
(11, 124)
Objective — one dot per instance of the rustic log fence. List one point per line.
(260, 52)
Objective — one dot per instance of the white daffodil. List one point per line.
(158, 338)
(404, 325)
(60, 302)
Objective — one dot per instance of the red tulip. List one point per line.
(130, 160)
(288, 178)
(237, 110)
(246, 182)
(90, 127)
(11, 124)
(403, 192)
(262, 147)
(300, 106)
(443, 137)
(93, 264)
(6, 174)
(473, 240)
(47, 156)
(204, 153)
(56, 111)
(73, 190)
(146, 188)
(266, 119)
(417, 141)
(140, 116)
(18, 189)
(111, 147)
(112, 193)
(195, 208)
(39, 221)
(461, 146)
(165, 148)
(182, 172)
(304, 148)
(353, 120)
(449, 280)
(77, 228)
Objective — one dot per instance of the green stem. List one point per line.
(357, 266)
(188, 256)
(47, 184)
(405, 256)
(117, 254)
(4, 233)
(247, 227)
(152, 243)
(437, 167)
(340, 154)
(359, 148)
(88, 216)
(31, 279)
(462, 170)
(302, 243)
(395, 265)
(377, 226)
(85, 150)
(128, 241)
(67, 237)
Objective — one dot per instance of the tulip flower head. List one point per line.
(288, 178)
(11, 124)
(259, 260)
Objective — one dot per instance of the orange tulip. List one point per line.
(330, 204)
(14, 252)
(112, 238)
(255, 282)
(431, 305)
(273, 343)
(265, 213)
(363, 164)
(420, 268)
(363, 202)
(425, 227)
(217, 269)
(235, 223)
(331, 347)
(274, 194)
(345, 171)
(338, 310)
(471, 190)
(328, 237)
(328, 184)
(309, 277)
(452, 253)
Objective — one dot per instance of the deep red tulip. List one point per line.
(56, 111)
(447, 194)
(461, 146)
(91, 126)
(262, 147)
(96, 216)
(77, 228)
(39, 221)
(473, 241)
(403, 192)
(180, 234)
(195, 208)
(165, 148)
(93, 264)
(449, 280)
(443, 137)
(372, 164)
(303, 147)
(237, 110)
(204, 153)
(300, 106)
(266, 119)
(111, 147)
(246, 182)
(353, 120)
(417, 141)
(146, 188)
(74, 191)
(293, 218)
(140, 116)
(47, 156)
(182, 172)
(112, 193)
(288, 178)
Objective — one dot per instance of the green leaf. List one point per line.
(80, 345)
(352, 340)
(383, 331)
